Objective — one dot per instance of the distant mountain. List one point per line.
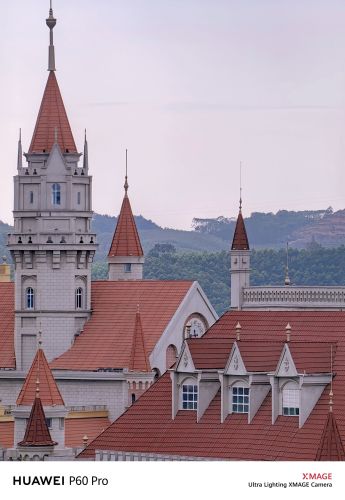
(265, 230)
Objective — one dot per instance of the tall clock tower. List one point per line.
(52, 245)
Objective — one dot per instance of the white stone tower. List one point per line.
(52, 245)
(126, 257)
(240, 262)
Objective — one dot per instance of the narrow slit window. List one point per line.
(30, 298)
(56, 194)
(79, 298)
(79, 197)
(31, 197)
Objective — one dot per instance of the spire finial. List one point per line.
(288, 332)
(331, 391)
(238, 329)
(20, 151)
(86, 154)
(51, 22)
(126, 186)
(287, 278)
(37, 387)
(40, 340)
(240, 186)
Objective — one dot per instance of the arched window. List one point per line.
(290, 399)
(79, 298)
(30, 298)
(133, 398)
(171, 356)
(56, 194)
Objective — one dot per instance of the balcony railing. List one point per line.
(302, 296)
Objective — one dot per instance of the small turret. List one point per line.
(240, 261)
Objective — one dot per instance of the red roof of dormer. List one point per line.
(126, 241)
(52, 117)
(49, 391)
(240, 239)
(37, 432)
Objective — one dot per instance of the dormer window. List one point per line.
(128, 268)
(240, 399)
(290, 399)
(189, 397)
(56, 194)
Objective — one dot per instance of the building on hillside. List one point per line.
(257, 386)
(106, 341)
(285, 297)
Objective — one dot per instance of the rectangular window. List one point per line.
(49, 423)
(78, 197)
(189, 397)
(240, 399)
(128, 268)
(31, 197)
(61, 423)
(290, 402)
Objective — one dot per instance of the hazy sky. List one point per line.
(190, 87)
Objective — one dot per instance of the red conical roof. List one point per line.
(37, 432)
(240, 239)
(139, 361)
(126, 241)
(331, 446)
(52, 117)
(49, 391)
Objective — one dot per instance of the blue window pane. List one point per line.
(184, 397)
(234, 408)
(240, 399)
(195, 388)
(246, 391)
(234, 390)
(240, 408)
(190, 388)
(234, 399)
(297, 411)
(246, 408)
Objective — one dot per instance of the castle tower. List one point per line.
(240, 262)
(52, 245)
(39, 415)
(126, 256)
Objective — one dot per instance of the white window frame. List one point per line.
(127, 268)
(290, 401)
(189, 396)
(239, 399)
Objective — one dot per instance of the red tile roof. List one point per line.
(6, 434)
(49, 391)
(139, 360)
(331, 447)
(240, 239)
(107, 339)
(126, 241)
(148, 427)
(37, 432)
(77, 428)
(7, 355)
(52, 115)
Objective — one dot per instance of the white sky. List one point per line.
(190, 87)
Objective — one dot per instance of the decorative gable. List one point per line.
(56, 163)
(185, 363)
(235, 364)
(286, 366)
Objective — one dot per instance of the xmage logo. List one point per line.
(317, 476)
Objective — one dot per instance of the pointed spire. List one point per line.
(37, 432)
(287, 278)
(51, 22)
(47, 388)
(139, 361)
(240, 239)
(20, 151)
(126, 241)
(52, 115)
(126, 186)
(86, 154)
(331, 447)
